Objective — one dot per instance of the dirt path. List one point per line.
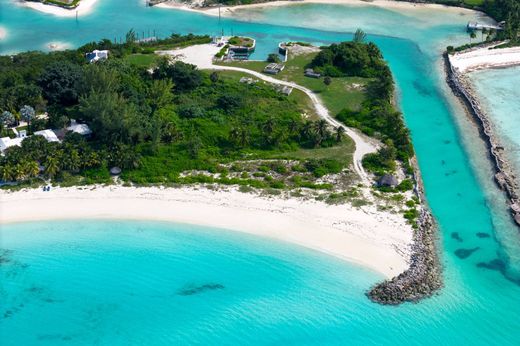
(202, 57)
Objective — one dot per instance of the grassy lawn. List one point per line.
(344, 92)
(141, 60)
(301, 99)
(342, 152)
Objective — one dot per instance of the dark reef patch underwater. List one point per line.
(465, 253)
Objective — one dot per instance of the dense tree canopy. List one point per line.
(153, 124)
(349, 59)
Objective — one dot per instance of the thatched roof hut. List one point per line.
(388, 180)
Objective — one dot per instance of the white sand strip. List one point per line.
(485, 58)
(227, 11)
(85, 7)
(375, 239)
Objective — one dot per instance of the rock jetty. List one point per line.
(504, 176)
(424, 276)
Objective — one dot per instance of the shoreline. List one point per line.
(424, 276)
(463, 90)
(485, 58)
(85, 7)
(366, 236)
(228, 11)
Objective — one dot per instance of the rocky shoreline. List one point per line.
(504, 176)
(424, 275)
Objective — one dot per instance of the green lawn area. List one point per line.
(342, 152)
(301, 99)
(141, 60)
(344, 92)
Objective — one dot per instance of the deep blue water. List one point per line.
(272, 293)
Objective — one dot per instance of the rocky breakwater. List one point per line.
(424, 276)
(504, 176)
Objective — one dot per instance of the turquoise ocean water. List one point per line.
(498, 90)
(145, 283)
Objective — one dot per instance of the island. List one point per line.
(180, 118)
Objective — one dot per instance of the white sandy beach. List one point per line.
(375, 239)
(85, 7)
(483, 58)
(227, 11)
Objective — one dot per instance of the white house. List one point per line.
(6, 142)
(97, 55)
(49, 135)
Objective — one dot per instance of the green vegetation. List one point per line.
(241, 41)
(63, 3)
(141, 60)
(377, 116)
(341, 93)
(173, 125)
(500, 10)
(359, 91)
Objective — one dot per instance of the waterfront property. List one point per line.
(478, 304)
(96, 55)
(56, 135)
(7, 142)
(274, 68)
(476, 26)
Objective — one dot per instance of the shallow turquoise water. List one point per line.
(120, 283)
(500, 95)
(322, 301)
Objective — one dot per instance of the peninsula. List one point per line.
(200, 128)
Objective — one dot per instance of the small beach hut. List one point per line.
(388, 180)
(115, 171)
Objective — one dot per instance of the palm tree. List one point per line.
(484, 31)
(321, 130)
(359, 36)
(6, 172)
(18, 172)
(472, 35)
(72, 161)
(490, 34)
(31, 168)
(307, 129)
(51, 167)
(294, 127)
(340, 130)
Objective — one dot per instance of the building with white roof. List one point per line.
(49, 135)
(6, 142)
(97, 55)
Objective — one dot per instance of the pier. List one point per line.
(476, 26)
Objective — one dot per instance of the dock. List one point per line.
(476, 26)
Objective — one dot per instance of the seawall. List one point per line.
(504, 176)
